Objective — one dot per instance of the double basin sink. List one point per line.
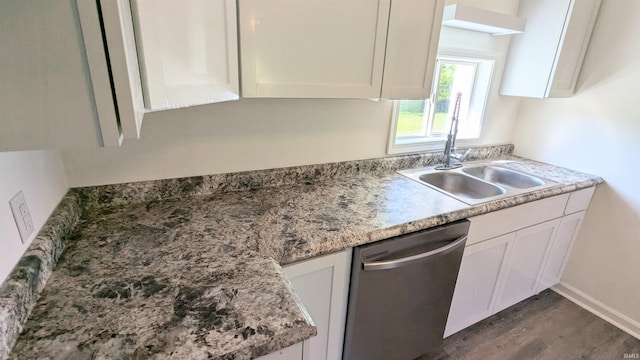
(475, 183)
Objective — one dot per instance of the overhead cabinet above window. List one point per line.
(336, 49)
(476, 19)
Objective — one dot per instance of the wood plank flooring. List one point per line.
(546, 326)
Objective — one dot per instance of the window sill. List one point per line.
(432, 145)
(414, 147)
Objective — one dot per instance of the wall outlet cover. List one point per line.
(22, 216)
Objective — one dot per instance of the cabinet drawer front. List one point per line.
(503, 221)
(579, 200)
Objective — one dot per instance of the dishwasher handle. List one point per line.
(396, 263)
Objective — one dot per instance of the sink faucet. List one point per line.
(450, 145)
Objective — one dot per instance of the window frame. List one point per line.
(480, 92)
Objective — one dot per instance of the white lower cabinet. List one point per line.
(525, 264)
(508, 259)
(513, 262)
(323, 286)
(560, 249)
(478, 279)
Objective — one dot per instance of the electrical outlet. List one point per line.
(22, 216)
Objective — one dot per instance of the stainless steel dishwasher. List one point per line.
(400, 293)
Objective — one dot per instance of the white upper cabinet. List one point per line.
(69, 72)
(546, 59)
(110, 50)
(46, 97)
(123, 59)
(312, 48)
(338, 48)
(188, 51)
(412, 46)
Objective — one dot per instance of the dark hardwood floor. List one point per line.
(546, 326)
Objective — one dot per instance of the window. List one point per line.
(424, 124)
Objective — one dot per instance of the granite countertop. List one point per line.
(199, 277)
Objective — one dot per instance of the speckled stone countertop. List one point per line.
(199, 277)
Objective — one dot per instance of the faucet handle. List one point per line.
(460, 157)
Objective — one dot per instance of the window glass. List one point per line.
(453, 78)
(428, 121)
(411, 119)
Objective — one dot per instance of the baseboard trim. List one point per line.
(612, 316)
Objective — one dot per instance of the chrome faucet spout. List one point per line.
(450, 145)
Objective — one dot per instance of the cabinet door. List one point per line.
(312, 48)
(559, 253)
(123, 65)
(46, 98)
(412, 46)
(526, 261)
(573, 47)
(322, 285)
(546, 59)
(188, 51)
(94, 47)
(478, 282)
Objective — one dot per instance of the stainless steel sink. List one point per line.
(475, 183)
(461, 185)
(503, 176)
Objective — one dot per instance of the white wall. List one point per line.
(40, 176)
(598, 131)
(252, 134)
(235, 136)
